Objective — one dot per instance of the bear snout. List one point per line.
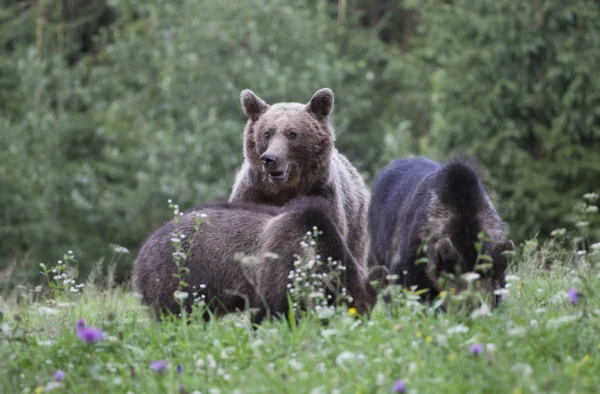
(268, 161)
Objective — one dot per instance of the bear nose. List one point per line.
(268, 160)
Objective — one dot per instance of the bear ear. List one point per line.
(252, 105)
(321, 103)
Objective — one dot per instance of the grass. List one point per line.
(537, 341)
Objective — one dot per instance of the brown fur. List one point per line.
(253, 230)
(300, 140)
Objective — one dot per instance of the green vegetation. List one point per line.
(542, 338)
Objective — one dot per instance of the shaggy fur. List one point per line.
(253, 230)
(415, 198)
(289, 152)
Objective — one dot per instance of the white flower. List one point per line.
(181, 295)
(43, 310)
(69, 252)
(517, 331)
(522, 368)
(412, 367)
(458, 329)
(52, 386)
(501, 292)
(294, 364)
(471, 276)
(512, 278)
(490, 348)
(560, 321)
(483, 310)
(344, 358)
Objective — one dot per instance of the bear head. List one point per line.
(288, 144)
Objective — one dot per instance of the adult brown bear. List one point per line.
(417, 200)
(255, 230)
(289, 152)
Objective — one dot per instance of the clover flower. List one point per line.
(158, 365)
(399, 386)
(476, 349)
(574, 295)
(88, 335)
(59, 375)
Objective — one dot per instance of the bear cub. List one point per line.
(289, 152)
(225, 284)
(415, 200)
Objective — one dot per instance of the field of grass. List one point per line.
(541, 339)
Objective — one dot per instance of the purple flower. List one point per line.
(158, 366)
(59, 375)
(88, 335)
(399, 386)
(574, 295)
(179, 369)
(476, 348)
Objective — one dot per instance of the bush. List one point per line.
(93, 149)
(517, 88)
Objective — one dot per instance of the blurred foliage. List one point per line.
(92, 150)
(108, 108)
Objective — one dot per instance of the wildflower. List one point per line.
(476, 348)
(443, 294)
(428, 339)
(452, 357)
(158, 365)
(88, 335)
(399, 386)
(419, 334)
(38, 390)
(574, 295)
(399, 327)
(352, 311)
(471, 276)
(52, 385)
(179, 369)
(59, 375)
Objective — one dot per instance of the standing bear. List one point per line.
(273, 236)
(416, 201)
(289, 152)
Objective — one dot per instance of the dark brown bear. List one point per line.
(289, 152)
(416, 198)
(254, 230)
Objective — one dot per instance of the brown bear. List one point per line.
(289, 152)
(416, 201)
(255, 230)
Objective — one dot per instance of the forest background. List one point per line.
(110, 107)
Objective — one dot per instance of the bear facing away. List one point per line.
(225, 284)
(289, 152)
(416, 198)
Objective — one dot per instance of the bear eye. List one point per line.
(292, 135)
(267, 135)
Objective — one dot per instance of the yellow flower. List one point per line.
(443, 294)
(352, 311)
(428, 339)
(517, 391)
(419, 334)
(452, 357)
(38, 390)
(452, 290)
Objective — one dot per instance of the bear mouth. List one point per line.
(278, 176)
